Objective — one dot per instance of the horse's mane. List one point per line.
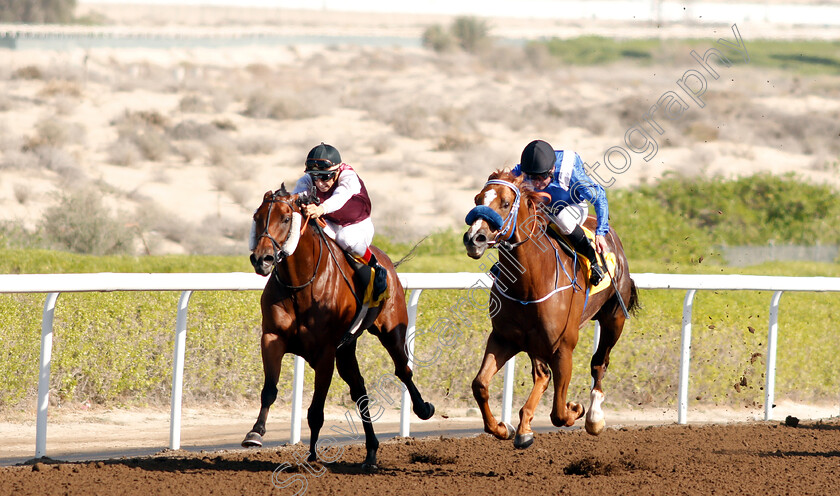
(525, 189)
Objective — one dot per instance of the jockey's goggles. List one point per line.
(322, 175)
(538, 177)
(320, 164)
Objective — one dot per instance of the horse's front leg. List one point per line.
(272, 349)
(541, 374)
(496, 354)
(348, 369)
(563, 414)
(315, 415)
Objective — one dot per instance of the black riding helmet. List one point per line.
(537, 158)
(322, 158)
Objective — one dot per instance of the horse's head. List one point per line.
(494, 216)
(276, 230)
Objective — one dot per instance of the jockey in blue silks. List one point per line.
(561, 174)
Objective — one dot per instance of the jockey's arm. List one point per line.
(348, 185)
(585, 188)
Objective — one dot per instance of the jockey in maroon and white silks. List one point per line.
(344, 206)
(346, 209)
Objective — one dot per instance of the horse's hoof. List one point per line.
(595, 428)
(511, 432)
(252, 440)
(428, 411)
(595, 421)
(370, 467)
(523, 441)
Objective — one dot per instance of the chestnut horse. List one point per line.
(309, 304)
(541, 301)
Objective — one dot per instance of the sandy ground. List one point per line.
(422, 129)
(95, 434)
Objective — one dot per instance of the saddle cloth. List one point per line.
(611, 263)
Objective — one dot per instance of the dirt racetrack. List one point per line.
(738, 458)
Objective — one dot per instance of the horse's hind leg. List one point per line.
(272, 349)
(394, 342)
(541, 374)
(348, 369)
(611, 327)
(496, 355)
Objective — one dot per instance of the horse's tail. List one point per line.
(633, 305)
(410, 253)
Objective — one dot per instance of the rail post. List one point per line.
(178, 370)
(685, 355)
(44, 375)
(772, 337)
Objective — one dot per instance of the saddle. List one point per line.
(608, 260)
(364, 278)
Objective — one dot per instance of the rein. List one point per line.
(510, 223)
(314, 272)
(279, 254)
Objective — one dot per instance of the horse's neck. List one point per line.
(534, 259)
(302, 264)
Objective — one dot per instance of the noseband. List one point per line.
(506, 227)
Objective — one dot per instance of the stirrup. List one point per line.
(596, 275)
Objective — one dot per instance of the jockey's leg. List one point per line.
(380, 274)
(356, 239)
(569, 222)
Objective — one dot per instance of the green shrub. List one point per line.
(438, 39)
(470, 33)
(752, 210)
(80, 223)
(37, 11)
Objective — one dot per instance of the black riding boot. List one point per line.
(582, 245)
(380, 277)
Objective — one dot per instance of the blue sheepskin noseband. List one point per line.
(493, 219)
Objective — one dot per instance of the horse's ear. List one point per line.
(282, 191)
(267, 195)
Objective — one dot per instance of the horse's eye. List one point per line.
(286, 219)
(505, 204)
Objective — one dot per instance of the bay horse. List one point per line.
(309, 304)
(541, 305)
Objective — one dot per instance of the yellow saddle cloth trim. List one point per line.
(367, 297)
(609, 257)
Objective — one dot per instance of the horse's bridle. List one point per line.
(509, 223)
(280, 253)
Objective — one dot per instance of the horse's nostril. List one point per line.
(480, 239)
(268, 259)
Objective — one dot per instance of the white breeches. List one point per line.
(571, 216)
(355, 238)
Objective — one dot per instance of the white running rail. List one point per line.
(187, 283)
